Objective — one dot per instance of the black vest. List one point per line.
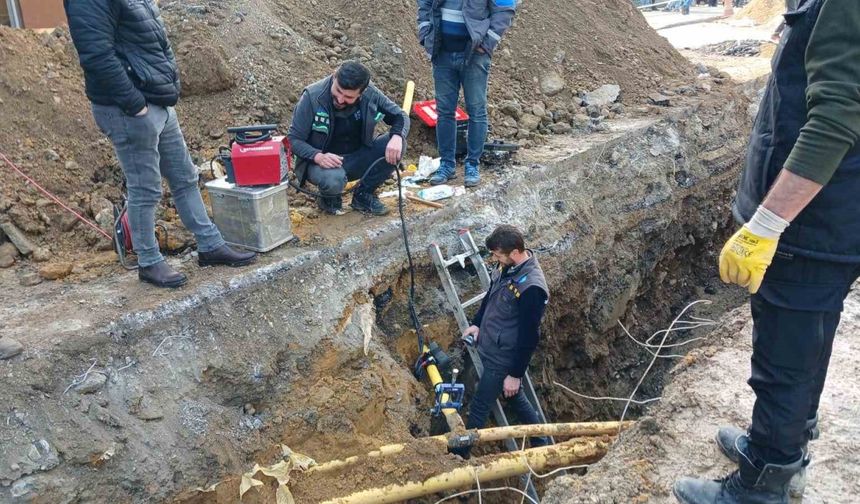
(497, 344)
(829, 228)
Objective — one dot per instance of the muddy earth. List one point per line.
(115, 392)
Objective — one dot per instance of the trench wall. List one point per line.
(315, 351)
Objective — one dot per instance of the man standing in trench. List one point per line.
(133, 84)
(798, 251)
(507, 329)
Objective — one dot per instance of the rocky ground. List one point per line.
(246, 61)
(116, 392)
(708, 390)
(143, 396)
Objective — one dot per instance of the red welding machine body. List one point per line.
(265, 162)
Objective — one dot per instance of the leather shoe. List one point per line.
(225, 256)
(161, 275)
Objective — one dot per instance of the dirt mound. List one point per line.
(245, 62)
(762, 11)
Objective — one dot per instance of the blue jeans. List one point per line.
(489, 389)
(450, 72)
(148, 148)
(332, 181)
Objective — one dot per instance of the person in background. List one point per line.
(460, 37)
(332, 135)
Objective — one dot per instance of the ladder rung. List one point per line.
(457, 259)
(476, 299)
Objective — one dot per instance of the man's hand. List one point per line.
(394, 150)
(511, 386)
(481, 50)
(474, 331)
(745, 258)
(328, 160)
(142, 112)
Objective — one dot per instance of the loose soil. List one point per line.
(708, 390)
(762, 11)
(246, 61)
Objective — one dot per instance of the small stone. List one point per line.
(41, 255)
(512, 109)
(93, 383)
(659, 99)
(29, 279)
(529, 122)
(249, 409)
(51, 155)
(581, 121)
(552, 84)
(561, 128)
(105, 220)
(8, 254)
(56, 271)
(24, 245)
(604, 95)
(593, 111)
(539, 110)
(9, 348)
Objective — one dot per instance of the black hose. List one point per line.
(316, 194)
(413, 314)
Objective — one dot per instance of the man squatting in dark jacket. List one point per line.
(332, 135)
(133, 83)
(507, 329)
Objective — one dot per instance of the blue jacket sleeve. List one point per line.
(425, 20)
(501, 17)
(92, 24)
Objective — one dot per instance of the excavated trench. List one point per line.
(315, 352)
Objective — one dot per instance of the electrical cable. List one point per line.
(413, 314)
(56, 199)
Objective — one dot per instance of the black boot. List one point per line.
(225, 256)
(746, 485)
(367, 202)
(731, 441)
(331, 205)
(161, 275)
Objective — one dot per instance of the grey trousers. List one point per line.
(149, 148)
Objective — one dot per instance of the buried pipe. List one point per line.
(574, 452)
(483, 436)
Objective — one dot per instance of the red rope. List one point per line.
(56, 199)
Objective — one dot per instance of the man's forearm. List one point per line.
(790, 194)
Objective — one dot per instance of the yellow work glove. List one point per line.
(748, 253)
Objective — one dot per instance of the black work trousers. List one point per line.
(795, 316)
(490, 388)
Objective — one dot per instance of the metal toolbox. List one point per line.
(256, 218)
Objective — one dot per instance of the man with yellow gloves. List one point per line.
(798, 252)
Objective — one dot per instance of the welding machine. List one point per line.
(256, 156)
